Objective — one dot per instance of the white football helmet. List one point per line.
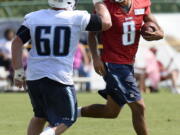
(67, 4)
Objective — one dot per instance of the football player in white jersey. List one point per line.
(54, 34)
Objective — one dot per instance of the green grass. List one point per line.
(163, 116)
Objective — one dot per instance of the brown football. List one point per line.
(149, 26)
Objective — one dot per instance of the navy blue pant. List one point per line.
(53, 101)
(121, 83)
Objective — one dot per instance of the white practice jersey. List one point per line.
(54, 36)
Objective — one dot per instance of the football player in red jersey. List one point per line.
(120, 44)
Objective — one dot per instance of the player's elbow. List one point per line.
(107, 24)
(16, 44)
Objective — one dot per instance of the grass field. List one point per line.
(163, 116)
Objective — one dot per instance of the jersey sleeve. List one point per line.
(26, 21)
(84, 19)
(24, 34)
(24, 31)
(142, 3)
(95, 23)
(147, 10)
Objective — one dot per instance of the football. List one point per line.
(149, 26)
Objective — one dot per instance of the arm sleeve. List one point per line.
(85, 19)
(23, 33)
(95, 23)
(147, 10)
(26, 21)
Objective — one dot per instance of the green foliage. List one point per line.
(19, 0)
(18, 8)
(163, 111)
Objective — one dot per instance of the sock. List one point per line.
(79, 112)
(46, 128)
(48, 131)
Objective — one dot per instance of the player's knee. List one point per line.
(139, 109)
(142, 108)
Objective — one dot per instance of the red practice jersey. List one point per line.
(121, 41)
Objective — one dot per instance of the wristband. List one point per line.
(19, 74)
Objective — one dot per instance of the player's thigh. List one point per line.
(60, 103)
(112, 105)
(36, 98)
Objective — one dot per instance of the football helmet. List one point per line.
(67, 4)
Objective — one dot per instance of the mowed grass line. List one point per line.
(163, 116)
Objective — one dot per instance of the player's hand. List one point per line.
(19, 78)
(156, 35)
(99, 66)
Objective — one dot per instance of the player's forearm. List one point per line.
(92, 42)
(17, 53)
(151, 18)
(104, 14)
